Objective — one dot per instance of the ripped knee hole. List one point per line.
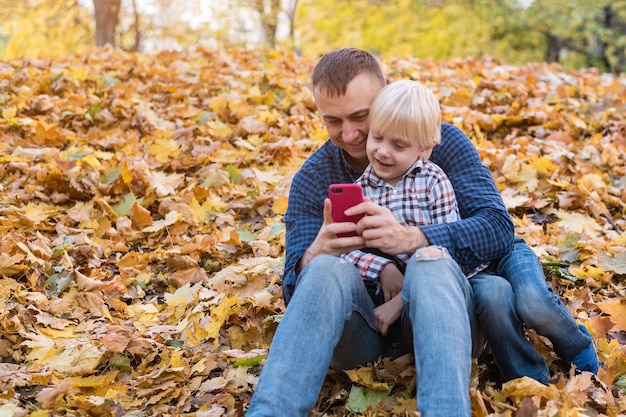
(431, 252)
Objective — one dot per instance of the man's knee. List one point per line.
(491, 292)
(328, 269)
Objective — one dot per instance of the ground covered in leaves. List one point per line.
(141, 204)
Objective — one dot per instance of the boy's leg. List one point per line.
(513, 353)
(329, 297)
(439, 300)
(537, 305)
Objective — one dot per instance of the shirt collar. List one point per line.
(347, 164)
(370, 177)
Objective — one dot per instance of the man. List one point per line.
(329, 320)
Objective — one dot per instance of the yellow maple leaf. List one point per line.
(268, 177)
(164, 184)
(81, 359)
(527, 178)
(170, 218)
(526, 387)
(218, 103)
(183, 295)
(9, 113)
(47, 133)
(145, 315)
(542, 165)
(220, 130)
(261, 299)
(365, 377)
(219, 315)
(41, 347)
(38, 213)
(202, 212)
(405, 407)
(10, 264)
(92, 381)
(163, 149)
(510, 168)
(237, 379)
(513, 199)
(126, 173)
(269, 116)
(320, 135)
(195, 334)
(579, 223)
(280, 205)
(592, 272)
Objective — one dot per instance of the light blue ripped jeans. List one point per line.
(330, 320)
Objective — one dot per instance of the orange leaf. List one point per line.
(616, 309)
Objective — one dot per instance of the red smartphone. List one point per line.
(342, 197)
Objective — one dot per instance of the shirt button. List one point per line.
(395, 192)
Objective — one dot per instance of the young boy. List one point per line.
(404, 126)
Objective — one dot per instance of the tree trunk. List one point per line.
(107, 16)
(137, 45)
(268, 11)
(612, 52)
(553, 48)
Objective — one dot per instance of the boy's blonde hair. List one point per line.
(408, 108)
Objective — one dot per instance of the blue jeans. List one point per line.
(330, 322)
(505, 306)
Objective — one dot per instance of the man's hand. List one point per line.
(380, 229)
(391, 280)
(327, 243)
(386, 314)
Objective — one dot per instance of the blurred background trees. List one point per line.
(579, 33)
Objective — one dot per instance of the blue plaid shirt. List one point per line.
(485, 232)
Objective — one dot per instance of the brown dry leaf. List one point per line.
(576, 389)
(116, 338)
(616, 309)
(48, 396)
(140, 216)
(188, 276)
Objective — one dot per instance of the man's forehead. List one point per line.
(337, 113)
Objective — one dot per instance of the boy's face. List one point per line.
(345, 116)
(392, 154)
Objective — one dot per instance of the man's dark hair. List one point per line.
(336, 69)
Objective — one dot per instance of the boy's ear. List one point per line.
(425, 154)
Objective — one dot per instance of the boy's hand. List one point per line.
(391, 280)
(386, 314)
(380, 229)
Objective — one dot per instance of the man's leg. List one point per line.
(512, 351)
(538, 306)
(440, 303)
(330, 300)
